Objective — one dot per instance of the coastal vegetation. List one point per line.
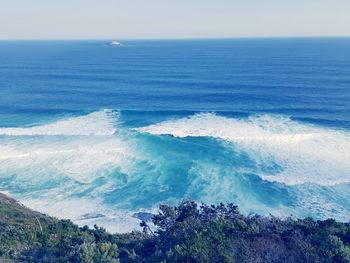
(189, 232)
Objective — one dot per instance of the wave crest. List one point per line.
(99, 123)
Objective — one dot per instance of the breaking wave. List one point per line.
(304, 153)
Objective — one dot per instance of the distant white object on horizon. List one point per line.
(116, 43)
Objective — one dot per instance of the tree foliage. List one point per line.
(188, 232)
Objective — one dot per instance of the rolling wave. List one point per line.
(305, 153)
(79, 147)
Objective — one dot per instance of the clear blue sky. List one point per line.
(119, 19)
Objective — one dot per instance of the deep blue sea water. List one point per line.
(97, 133)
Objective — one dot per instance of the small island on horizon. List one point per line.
(115, 43)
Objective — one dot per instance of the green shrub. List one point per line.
(186, 233)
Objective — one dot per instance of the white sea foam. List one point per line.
(99, 123)
(77, 210)
(306, 153)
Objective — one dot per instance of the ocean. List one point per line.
(98, 133)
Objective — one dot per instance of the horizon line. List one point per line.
(173, 38)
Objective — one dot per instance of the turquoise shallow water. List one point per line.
(96, 133)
